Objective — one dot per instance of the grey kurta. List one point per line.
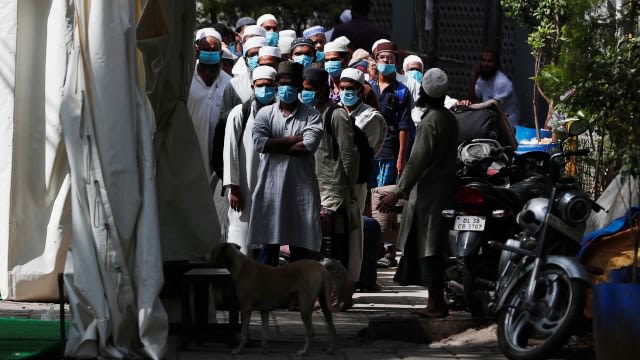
(428, 180)
(335, 177)
(286, 200)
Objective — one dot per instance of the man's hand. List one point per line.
(235, 199)
(400, 164)
(298, 149)
(463, 103)
(387, 202)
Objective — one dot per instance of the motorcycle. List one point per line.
(540, 293)
(492, 190)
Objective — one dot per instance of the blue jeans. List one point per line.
(384, 173)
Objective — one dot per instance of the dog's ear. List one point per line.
(236, 246)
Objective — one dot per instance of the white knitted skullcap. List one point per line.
(208, 32)
(314, 30)
(284, 44)
(253, 30)
(409, 59)
(254, 42)
(342, 40)
(335, 46)
(264, 18)
(269, 51)
(378, 42)
(353, 74)
(288, 33)
(345, 16)
(358, 55)
(263, 72)
(435, 83)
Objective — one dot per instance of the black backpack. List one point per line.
(365, 165)
(216, 162)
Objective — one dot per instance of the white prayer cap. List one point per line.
(263, 72)
(269, 51)
(314, 30)
(342, 40)
(353, 74)
(254, 42)
(284, 44)
(359, 55)
(288, 33)
(253, 30)
(345, 16)
(264, 18)
(226, 54)
(435, 83)
(378, 42)
(410, 59)
(208, 32)
(335, 46)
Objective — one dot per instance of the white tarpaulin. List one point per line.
(35, 210)
(113, 272)
(121, 200)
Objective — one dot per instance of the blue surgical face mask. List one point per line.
(272, 38)
(333, 67)
(349, 97)
(209, 57)
(287, 94)
(319, 55)
(415, 74)
(305, 60)
(252, 62)
(308, 97)
(386, 69)
(264, 94)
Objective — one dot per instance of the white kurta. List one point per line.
(241, 163)
(286, 200)
(204, 107)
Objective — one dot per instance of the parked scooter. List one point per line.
(541, 288)
(486, 202)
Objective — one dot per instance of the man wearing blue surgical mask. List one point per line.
(203, 103)
(205, 93)
(413, 68)
(270, 24)
(317, 37)
(337, 170)
(395, 105)
(239, 89)
(286, 199)
(240, 160)
(303, 52)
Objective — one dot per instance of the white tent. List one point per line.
(98, 155)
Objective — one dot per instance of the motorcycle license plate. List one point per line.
(469, 223)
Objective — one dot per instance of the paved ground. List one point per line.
(355, 338)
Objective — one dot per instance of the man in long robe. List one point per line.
(286, 201)
(428, 182)
(240, 158)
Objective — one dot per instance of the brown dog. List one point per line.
(264, 288)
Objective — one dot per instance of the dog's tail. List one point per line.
(339, 277)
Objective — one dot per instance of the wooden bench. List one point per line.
(197, 282)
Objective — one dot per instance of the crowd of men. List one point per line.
(299, 129)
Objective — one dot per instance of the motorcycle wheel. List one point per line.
(538, 330)
(471, 267)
